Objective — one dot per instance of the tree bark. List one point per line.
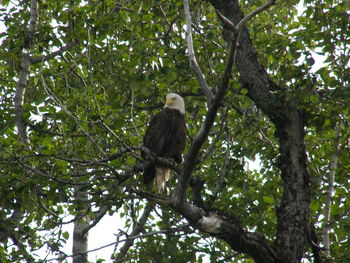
(23, 74)
(293, 212)
(327, 209)
(80, 236)
(21, 126)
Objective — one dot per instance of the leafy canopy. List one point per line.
(86, 107)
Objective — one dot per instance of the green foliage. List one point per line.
(129, 55)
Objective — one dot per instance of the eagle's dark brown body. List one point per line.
(166, 137)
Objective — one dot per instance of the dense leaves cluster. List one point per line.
(86, 109)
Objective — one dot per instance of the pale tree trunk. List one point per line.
(21, 126)
(327, 210)
(80, 236)
(23, 74)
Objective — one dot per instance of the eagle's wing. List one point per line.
(165, 136)
(156, 134)
(155, 139)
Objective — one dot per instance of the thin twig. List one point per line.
(120, 140)
(48, 176)
(38, 59)
(223, 170)
(182, 228)
(98, 216)
(75, 119)
(132, 115)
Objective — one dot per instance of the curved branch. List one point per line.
(192, 57)
(191, 160)
(258, 10)
(136, 231)
(98, 216)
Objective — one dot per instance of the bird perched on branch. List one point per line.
(165, 137)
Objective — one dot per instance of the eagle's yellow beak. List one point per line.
(169, 101)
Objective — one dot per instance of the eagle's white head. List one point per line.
(175, 101)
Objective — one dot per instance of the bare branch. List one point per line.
(19, 112)
(192, 57)
(254, 13)
(179, 195)
(98, 216)
(226, 21)
(80, 238)
(136, 231)
(243, 22)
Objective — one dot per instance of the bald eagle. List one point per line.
(165, 137)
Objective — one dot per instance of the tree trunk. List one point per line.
(293, 212)
(327, 209)
(80, 237)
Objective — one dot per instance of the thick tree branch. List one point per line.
(81, 225)
(222, 225)
(293, 213)
(191, 160)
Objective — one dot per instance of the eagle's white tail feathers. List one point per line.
(162, 177)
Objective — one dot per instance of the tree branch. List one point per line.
(183, 228)
(192, 57)
(19, 112)
(98, 216)
(191, 160)
(244, 21)
(224, 226)
(38, 59)
(136, 231)
(293, 213)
